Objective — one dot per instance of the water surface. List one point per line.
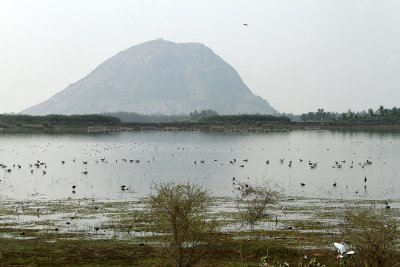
(137, 160)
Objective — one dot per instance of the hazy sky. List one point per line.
(299, 55)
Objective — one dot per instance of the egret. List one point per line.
(342, 250)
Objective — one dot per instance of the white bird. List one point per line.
(342, 250)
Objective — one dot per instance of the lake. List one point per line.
(329, 164)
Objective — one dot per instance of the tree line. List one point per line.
(133, 117)
(206, 116)
(48, 120)
(242, 118)
(113, 118)
(381, 114)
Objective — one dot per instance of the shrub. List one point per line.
(372, 234)
(253, 201)
(179, 211)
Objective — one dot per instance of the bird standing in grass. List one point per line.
(342, 250)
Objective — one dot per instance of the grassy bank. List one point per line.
(85, 232)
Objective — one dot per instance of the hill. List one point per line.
(157, 77)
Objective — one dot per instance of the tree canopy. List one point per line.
(381, 114)
(55, 119)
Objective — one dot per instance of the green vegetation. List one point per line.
(244, 118)
(179, 212)
(253, 200)
(130, 237)
(252, 203)
(203, 121)
(196, 116)
(7, 120)
(373, 234)
(380, 115)
(133, 117)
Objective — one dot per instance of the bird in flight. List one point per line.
(244, 24)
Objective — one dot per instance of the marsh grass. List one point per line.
(311, 234)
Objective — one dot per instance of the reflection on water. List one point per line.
(123, 166)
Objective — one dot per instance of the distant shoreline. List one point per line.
(215, 127)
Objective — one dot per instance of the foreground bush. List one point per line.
(372, 234)
(178, 211)
(252, 201)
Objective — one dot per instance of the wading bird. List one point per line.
(342, 250)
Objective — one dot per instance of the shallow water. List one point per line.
(170, 157)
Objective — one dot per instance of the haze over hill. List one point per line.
(157, 77)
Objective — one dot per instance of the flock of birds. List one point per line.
(42, 167)
(313, 165)
(94, 154)
(97, 152)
